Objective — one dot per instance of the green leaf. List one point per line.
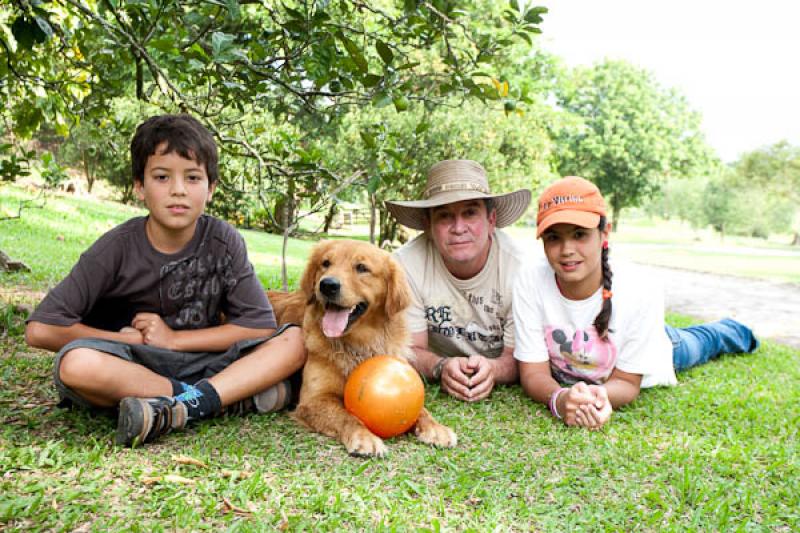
(533, 17)
(355, 53)
(526, 37)
(163, 44)
(234, 12)
(514, 5)
(44, 25)
(27, 33)
(373, 183)
(368, 138)
(381, 99)
(371, 80)
(221, 43)
(385, 52)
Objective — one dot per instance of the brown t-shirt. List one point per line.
(121, 274)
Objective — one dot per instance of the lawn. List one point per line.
(717, 452)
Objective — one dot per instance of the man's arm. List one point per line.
(425, 359)
(53, 338)
(505, 367)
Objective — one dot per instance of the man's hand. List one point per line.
(155, 332)
(469, 379)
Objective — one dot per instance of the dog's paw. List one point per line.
(436, 434)
(363, 443)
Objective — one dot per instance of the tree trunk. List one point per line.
(329, 217)
(372, 211)
(139, 78)
(616, 209)
(87, 169)
(388, 231)
(796, 239)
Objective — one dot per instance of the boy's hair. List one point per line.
(183, 134)
(604, 316)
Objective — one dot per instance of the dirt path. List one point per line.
(771, 309)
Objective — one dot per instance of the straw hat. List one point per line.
(456, 180)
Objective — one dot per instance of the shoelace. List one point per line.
(162, 422)
(239, 408)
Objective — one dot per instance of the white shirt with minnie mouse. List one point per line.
(552, 327)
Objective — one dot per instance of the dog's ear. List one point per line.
(398, 293)
(309, 278)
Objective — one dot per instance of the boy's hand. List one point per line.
(154, 330)
(132, 335)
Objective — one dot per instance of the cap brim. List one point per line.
(579, 218)
(510, 206)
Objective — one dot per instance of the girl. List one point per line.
(602, 345)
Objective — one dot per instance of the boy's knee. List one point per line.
(34, 334)
(296, 338)
(293, 342)
(294, 335)
(77, 364)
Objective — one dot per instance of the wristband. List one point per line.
(436, 371)
(553, 399)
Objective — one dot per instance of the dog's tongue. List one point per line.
(334, 322)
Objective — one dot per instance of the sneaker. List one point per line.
(271, 400)
(145, 419)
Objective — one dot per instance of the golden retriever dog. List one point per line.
(351, 303)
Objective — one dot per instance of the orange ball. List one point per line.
(386, 394)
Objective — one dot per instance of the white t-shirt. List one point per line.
(462, 317)
(552, 327)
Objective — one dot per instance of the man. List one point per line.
(461, 271)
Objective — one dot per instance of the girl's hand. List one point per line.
(595, 414)
(577, 395)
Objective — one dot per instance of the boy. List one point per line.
(138, 322)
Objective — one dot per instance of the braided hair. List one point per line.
(604, 316)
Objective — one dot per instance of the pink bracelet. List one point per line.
(553, 400)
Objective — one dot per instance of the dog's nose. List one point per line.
(329, 287)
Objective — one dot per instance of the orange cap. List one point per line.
(570, 200)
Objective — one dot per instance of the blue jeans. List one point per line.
(696, 345)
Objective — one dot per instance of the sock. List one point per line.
(178, 386)
(201, 400)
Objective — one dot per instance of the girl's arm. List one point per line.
(538, 383)
(622, 387)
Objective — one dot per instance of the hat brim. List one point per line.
(509, 206)
(583, 219)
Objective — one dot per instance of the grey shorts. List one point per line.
(189, 367)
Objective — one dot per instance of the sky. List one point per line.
(736, 62)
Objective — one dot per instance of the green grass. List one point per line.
(718, 452)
